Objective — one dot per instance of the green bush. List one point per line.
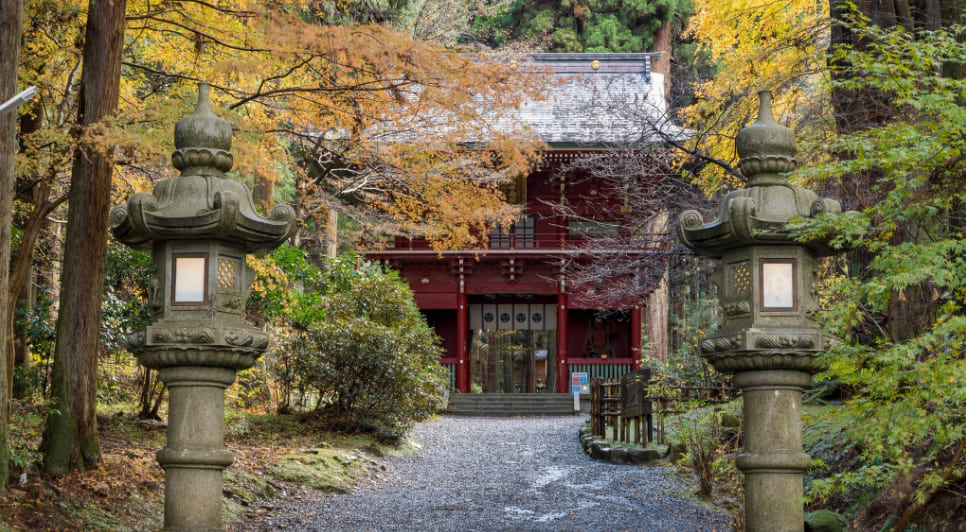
(348, 339)
(373, 360)
(711, 440)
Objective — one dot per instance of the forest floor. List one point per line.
(275, 457)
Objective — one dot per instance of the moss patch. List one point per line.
(330, 470)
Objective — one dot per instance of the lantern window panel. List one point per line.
(189, 279)
(778, 284)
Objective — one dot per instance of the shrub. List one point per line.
(373, 359)
(349, 339)
(711, 440)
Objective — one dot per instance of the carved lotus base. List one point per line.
(765, 360)
(172, 344)
(166, 357)
(767, 349)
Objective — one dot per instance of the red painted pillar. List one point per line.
(462, 330)
(636, 352)
(563, 369)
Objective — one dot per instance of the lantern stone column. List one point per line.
(199, 227)
(768, 289)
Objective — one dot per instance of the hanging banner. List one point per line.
(513, 316)
(521, 316)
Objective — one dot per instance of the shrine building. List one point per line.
(508, 318)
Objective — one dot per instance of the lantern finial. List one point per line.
(203, 140)
(765, 148)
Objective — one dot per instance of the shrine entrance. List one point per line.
(513, 361)
(513, 345)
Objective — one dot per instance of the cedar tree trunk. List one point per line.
(11, 22)
(70, 435)
(662, 65)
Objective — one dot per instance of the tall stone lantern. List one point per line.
(199, 227)
(768, 288)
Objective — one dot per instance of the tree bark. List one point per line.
(37, 192)
(662, 65)
(332, 234)
(21, 343)
(657, 309)
(21, 269)
(70, 435)
(263, 192)
(11, 23)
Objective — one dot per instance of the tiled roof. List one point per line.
(599, 100)
(594, 101)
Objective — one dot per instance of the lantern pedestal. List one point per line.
(773, 461)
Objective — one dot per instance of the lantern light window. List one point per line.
(190, 279)
(778, 290)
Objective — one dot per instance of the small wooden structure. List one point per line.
(632, 401)
(636, 407)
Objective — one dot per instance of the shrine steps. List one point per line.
(510, 404)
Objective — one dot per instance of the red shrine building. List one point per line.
(508, 318)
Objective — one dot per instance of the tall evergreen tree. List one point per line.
(70, 435)
(580, 25)
(11, 20)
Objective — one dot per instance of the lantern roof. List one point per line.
(759, 213)
(201, 203)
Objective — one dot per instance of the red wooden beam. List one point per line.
(563, 370)
(462, 328)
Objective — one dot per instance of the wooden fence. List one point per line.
(634, 400)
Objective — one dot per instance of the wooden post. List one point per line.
(462, 330)
(637, 353)
(563, 370)
(596, 421)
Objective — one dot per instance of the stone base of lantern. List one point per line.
(195, 455)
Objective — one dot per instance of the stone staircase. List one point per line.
(510, 404)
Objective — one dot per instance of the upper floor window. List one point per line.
(522, 234)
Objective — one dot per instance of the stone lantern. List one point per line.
(768, 288)
(199, 227)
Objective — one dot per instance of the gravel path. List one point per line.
(505, 474)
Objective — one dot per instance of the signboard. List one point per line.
(633, 388)
(579, 383)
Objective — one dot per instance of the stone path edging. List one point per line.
(618, 453)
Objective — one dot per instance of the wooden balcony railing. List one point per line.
(533, 241)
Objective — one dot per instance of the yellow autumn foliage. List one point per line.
(778, 45)
(396, 115)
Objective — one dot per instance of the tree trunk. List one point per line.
(263, 192)
(21, 344)
(656, 311)
(332, 234)
(37, 192)
(70, 435)
(662, 65)
(11, 22)
(857, 110)
(21, 271)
